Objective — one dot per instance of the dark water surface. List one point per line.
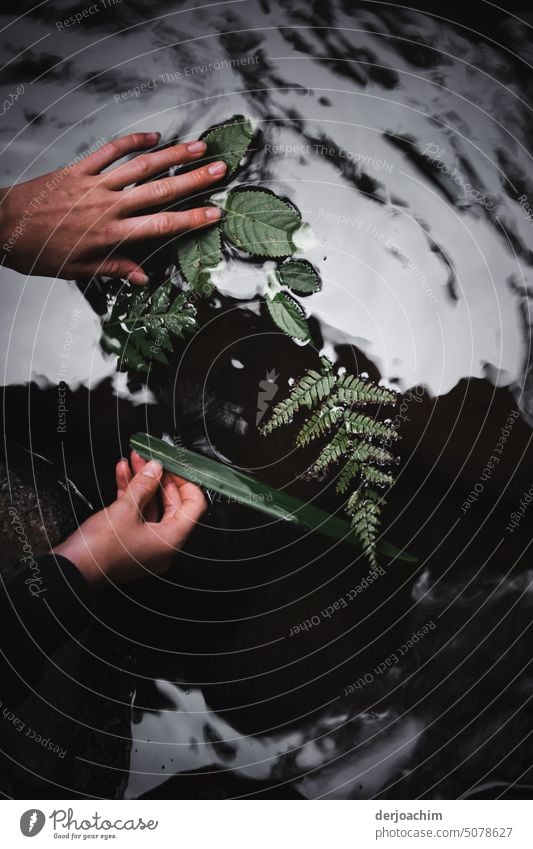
(403, 139)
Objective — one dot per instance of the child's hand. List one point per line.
(140, 532)
(78, 221)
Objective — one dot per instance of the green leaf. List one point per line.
(299, 276)
(364, 506)
(160, 300)
(246, 490)
(141, 325)
(308, 392)
(146, 346)
(198, 253)
(338, 447)
(229, 141)
(355, 390)
(372, 475)
(260, 223)
(348, 472)
(358, 423)
(289, 316)
(320, 423)
(354, 439)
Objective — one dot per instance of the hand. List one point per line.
(78, 221)
(139, 533)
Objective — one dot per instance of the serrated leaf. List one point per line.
(364, 507)
(320, 422)
(356, 390)
(376, 476)
(354, 439)
(348, 472)
(161, 299)
(312, 388)
(338, 447)
(229, 141)
(299, 276)
(148, 347)
(141, 325)
(260, 223)
(358, 423)
(289, 316)
(198, 253)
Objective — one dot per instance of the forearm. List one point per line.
(7, 228)
(42, 607)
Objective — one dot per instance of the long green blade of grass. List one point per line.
(245, 490)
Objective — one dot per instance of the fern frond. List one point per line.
(364, 506)
(355, 439)
(312, 388)
(325, 418)
(358, 423)
(354, 390)
(339, 446)
(372, 475)
(142, 324)
(362, 453)
(349, 471)
(368, 452)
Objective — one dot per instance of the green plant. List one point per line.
(356, 442)
(142, 322)
(141, 325)
(257, 222)
(246, 490)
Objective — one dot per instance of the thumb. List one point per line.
(144, 486)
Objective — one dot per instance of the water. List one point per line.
(403, 140)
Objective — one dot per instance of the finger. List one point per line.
(137, 462)
(116, 149)
(123, 476)
(117, 267)
(164, 224)
(151, 511)
(171, 189)
(144, 486)
(171, 496)
(193, 504)
(151, 164)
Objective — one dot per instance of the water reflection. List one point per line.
(374, 137)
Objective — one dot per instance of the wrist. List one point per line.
(77, 552)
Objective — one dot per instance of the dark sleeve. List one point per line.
(44, 605)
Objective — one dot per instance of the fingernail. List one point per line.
(217, 168)
(152, 469)
(138, 277)
(153, 137)
(213, 213)
(196, 147)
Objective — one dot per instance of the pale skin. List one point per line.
(80, 221)
(87, 218)
(140, 532)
